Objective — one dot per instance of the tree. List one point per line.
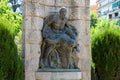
(16, 4)
(10, 26)
(13, 17)
(105, 45)
(93, 18)
(10, 63)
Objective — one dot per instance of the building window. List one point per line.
(116, 14)
(110, 16)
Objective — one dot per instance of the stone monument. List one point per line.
(56, 42)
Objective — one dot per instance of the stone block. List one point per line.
(84, 64)
(27, 50)
(84, 51)
(63, 3)
(78, 13)
(29, 75)
(38, 10)
(50, 10)
(36, 23)
(26, 22)
(78, 3)
(35, 50)
(36, 1)
(32, 51)
(32, 64)
(49, 2)
(87, 3)
(83, 40)
(33, 36)
(58, 75)
(82, 27)
(33, 9)
(86, 75)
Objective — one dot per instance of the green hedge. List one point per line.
(106, 54)
(10, 63)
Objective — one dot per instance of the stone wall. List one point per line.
(33, 14)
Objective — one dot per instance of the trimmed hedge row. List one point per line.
(10, 63)
(106, 54)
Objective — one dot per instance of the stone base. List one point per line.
(58, 75)
(58, 70)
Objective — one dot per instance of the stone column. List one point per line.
(79, 17)
(33, 14)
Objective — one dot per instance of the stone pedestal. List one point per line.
(58, 75)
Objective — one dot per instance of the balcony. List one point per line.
(116, 4)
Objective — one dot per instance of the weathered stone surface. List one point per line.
(58, 75)
(86, 75)
(37, 1)
(33, 36)
(50, 10)
(34, 9)
(78, 3)
(32, 23)
(83, 37)
(32, 57)
(32, 64)
(84, 64)
(26, 22)
(60, 3)
(79, 13)
(49, 2)
(36, 23)
(87, 3)
(35, 50)
(58, 70)
(82, 28)
(30, 75)
(63, 3)
(32, 51)
(27, 50)
(84, 43)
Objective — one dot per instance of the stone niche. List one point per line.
(34, 11)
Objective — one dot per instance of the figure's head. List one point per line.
(63, 12)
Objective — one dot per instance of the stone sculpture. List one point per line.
(59, 45)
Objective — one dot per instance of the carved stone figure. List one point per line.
(59, 44)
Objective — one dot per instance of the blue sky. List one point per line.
(92, 2)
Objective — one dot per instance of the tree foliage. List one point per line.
(105, 46)
(10, 26)
(13, 17)
(10, 63)
(93, 18)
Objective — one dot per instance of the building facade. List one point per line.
(109, 9)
